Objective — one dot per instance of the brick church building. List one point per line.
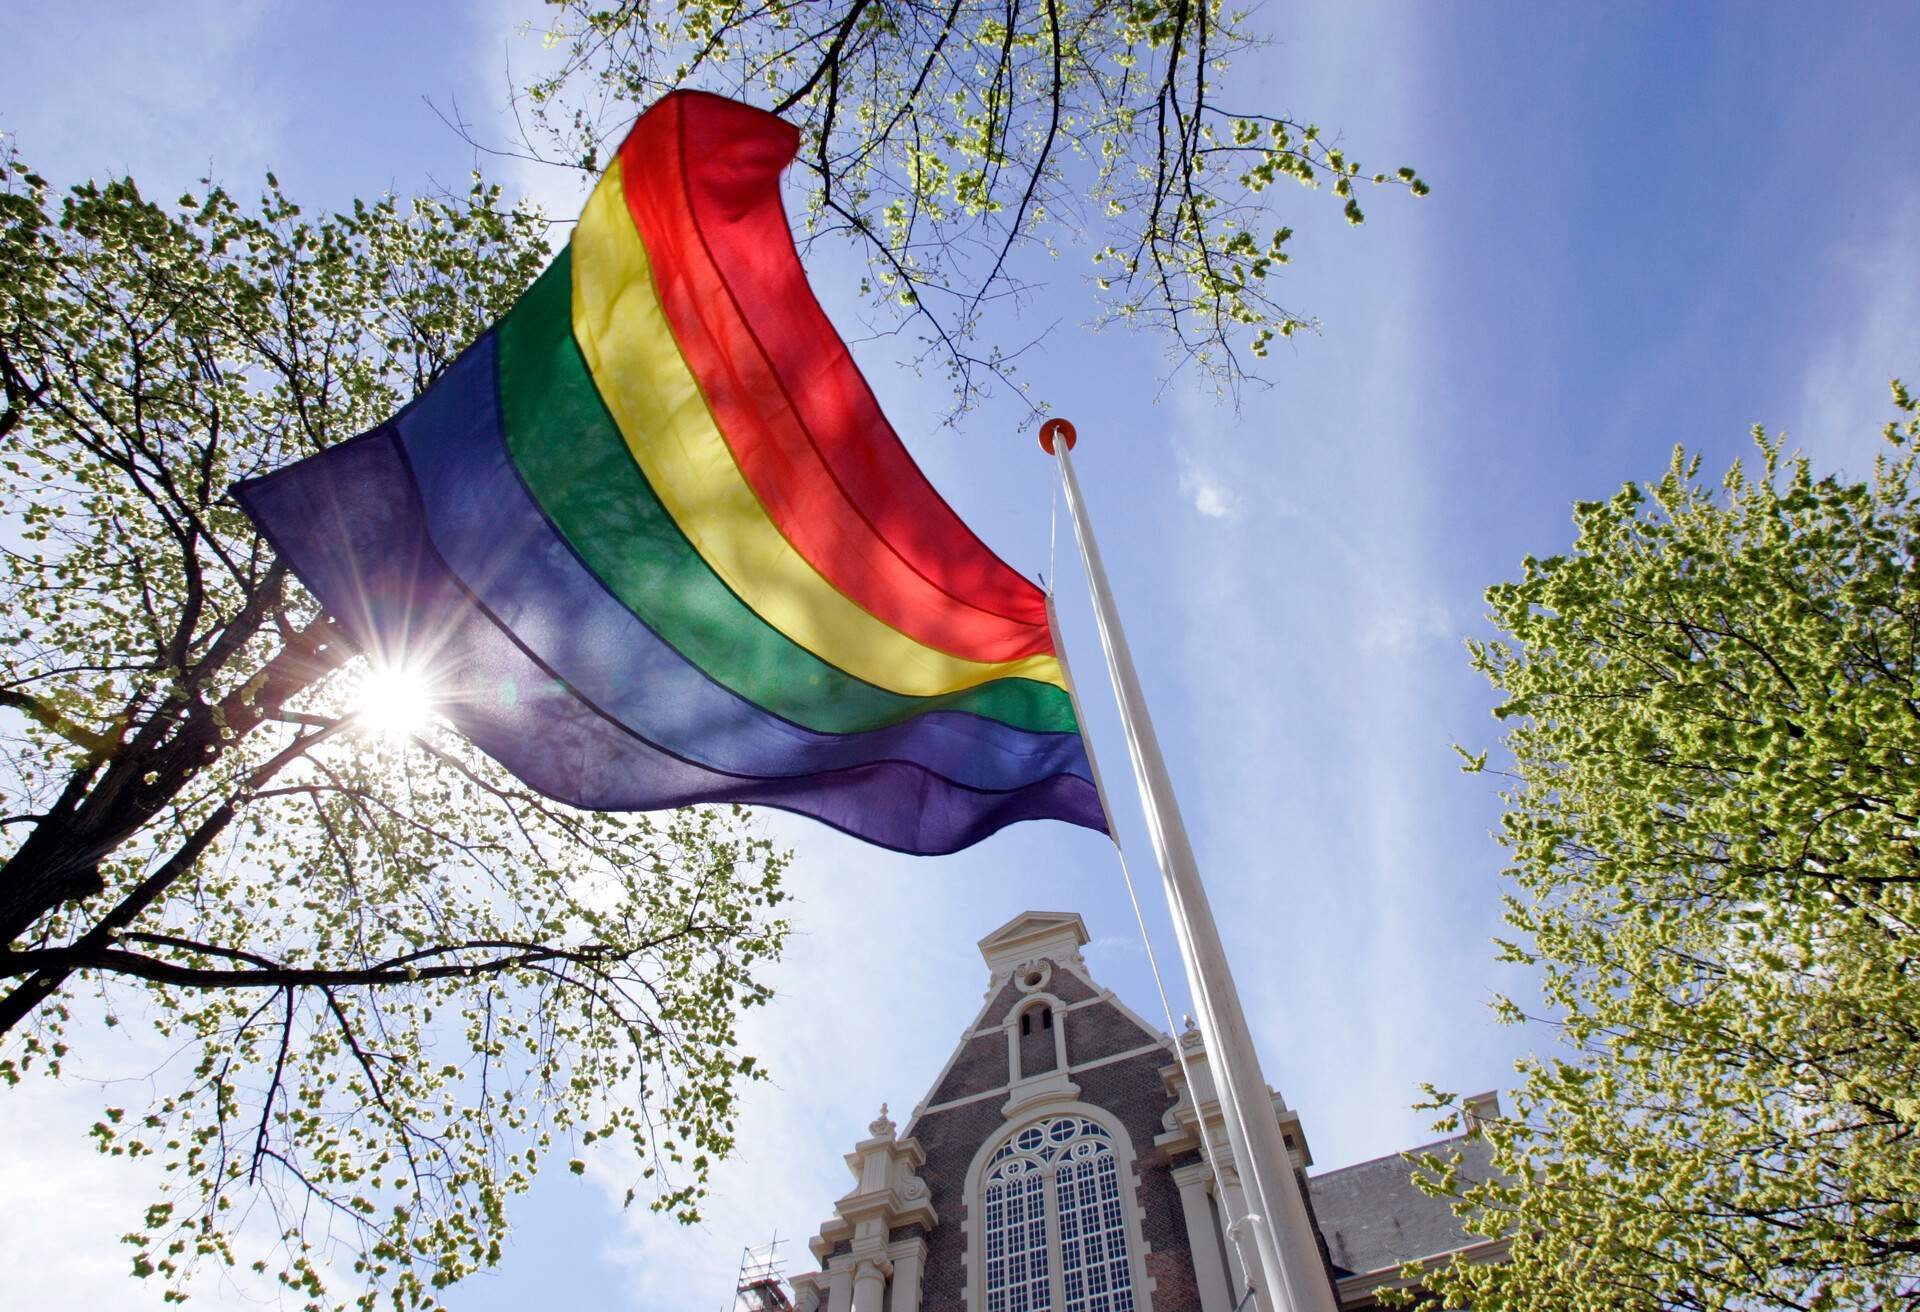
(1055, 1166)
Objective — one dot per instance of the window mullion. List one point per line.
(1056, 1257)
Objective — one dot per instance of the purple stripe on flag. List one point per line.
(350, 524)
(493, 535)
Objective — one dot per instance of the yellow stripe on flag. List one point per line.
(624, 335)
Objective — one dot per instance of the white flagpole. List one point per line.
(1289, 1259)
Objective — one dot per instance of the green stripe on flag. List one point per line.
(578, 468)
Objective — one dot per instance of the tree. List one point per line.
(387, 980)
(945, 137)
(1712, 816)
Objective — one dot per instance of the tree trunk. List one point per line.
(60, 860)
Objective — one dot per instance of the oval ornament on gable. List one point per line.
(1032, 976)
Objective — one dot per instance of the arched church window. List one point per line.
(1056, 1229)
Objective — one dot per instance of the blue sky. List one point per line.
(1650, 224)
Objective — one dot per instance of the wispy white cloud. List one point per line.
(168, 99)
(1875, 289)
(1126, 944)
(1398, 623)
(1206, 490)
(514, 45)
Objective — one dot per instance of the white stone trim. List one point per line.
(977, 1029)
(1048, 1087)
(973, 1032)
(909, 1258)
(1030, 935)
(967, 1101)
(1035, 933)
(984, 1031)
(985, 1094)
(1028, 1005)
(1194, 1107)
(809, 1290)
(1076, 965)
(1031, 976)
(1113, 1057)
(1109, 996)
(840, 1288)
(974, 1213)
(1100, 995)
(902, 1263)
(1205, 1244)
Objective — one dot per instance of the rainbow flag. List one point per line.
(657, 545)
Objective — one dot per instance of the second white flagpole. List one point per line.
(1289, 1257)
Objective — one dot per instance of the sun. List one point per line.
(393, 701)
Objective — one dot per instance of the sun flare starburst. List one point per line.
(393, 701)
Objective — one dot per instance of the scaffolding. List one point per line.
(760, 1286)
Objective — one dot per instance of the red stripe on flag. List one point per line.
(702, 183)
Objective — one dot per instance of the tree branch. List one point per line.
(98, 746)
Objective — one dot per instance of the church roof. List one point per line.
(1373, 1216)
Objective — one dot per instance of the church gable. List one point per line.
(1056, 1163)
(1046, 1030)
(1050, 1016)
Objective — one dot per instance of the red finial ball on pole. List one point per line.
(1060, 426)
